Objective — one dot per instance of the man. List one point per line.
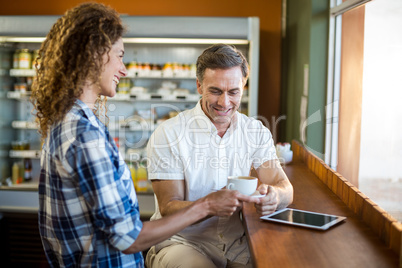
(192, 154)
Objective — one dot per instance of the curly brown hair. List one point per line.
(70, 56)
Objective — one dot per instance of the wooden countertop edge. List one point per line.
(388, 229)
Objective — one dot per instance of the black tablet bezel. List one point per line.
(336, 219)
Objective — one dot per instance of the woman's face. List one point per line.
(114, 69)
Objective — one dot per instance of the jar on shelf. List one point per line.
(25, 59)
(124, 85)
(21, 87)
(16, 59)
(132, 68)
(167, 70)
(29, 83)
(145, 69)
(20, 145)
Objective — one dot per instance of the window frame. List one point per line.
(337, 9)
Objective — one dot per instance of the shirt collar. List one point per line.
(204, 118)
(88, 112)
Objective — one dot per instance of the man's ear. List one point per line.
(199, 88)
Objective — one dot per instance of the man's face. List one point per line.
(221, 92)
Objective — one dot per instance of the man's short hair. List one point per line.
(221, 56)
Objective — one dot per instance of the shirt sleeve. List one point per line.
(260, 142)
(164, 160)
(107, 188)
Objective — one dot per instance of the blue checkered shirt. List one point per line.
(88, 208)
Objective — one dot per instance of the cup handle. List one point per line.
(230, 186)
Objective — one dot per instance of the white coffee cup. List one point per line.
(244, 184)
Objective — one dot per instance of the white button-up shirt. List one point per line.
(188, 147)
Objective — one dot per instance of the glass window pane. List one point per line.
(380, 171)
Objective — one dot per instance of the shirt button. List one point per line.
(221, 235)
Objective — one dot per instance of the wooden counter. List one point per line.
(351, 243)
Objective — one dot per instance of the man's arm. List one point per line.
(154, 232)
(178, 214)
(170, 195)
(171, 198)
(277, 187)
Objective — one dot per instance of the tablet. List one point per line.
(304, 218)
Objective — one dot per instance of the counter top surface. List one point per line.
(33, 187)
(29, 186)
(23, 198)
(348, 244)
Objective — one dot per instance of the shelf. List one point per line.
(120, 97)
(25, 186)
(158, 75)
(131, 128)
(135, 123)
(18, 95)
(22, 72)
(18, 39)
(140, 40)
(149, 97)
(190, 41)
(24, 125)
(144, 97)
(25, 154)
(155, 97)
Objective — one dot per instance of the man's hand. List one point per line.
(225, 202)
(276, 186)
(269, 203)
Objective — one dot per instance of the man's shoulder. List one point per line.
(249, 121)
(175, 123)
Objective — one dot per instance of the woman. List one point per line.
(88, 214)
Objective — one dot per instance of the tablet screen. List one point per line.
(304, 218)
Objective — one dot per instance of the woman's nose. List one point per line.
(123, 69)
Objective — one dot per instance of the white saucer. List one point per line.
(257, 194)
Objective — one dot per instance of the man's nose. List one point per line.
(223, 100)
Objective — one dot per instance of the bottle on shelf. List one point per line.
(15, 173)
(22, 172)
(28, 170)
(142, 179)
(133, 172)
(16, 59)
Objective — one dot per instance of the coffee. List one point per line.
(244, 184)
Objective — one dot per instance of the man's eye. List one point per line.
(233, 93)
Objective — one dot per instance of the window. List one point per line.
(363, 130)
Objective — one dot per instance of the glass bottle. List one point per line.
(142, 179)
(133, 172)
(28, 169)
(15, 173)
